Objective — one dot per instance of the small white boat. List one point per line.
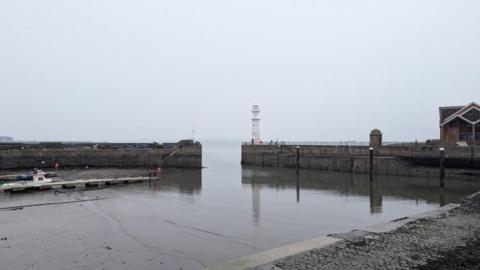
(37, 179)
(41, 178)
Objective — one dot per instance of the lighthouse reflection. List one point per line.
(317, 183)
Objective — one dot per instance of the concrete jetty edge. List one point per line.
(269, 256)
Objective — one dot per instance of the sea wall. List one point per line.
(107, 155)
(416, 161)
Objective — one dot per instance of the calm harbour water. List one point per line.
(189, 219)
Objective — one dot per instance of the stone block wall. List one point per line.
(389, 160)
(185, 156)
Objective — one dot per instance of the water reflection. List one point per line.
(297, 184)
(256, 188)
(383, 188)
(186, 181)
(376, 198)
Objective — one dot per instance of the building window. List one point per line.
(464, 136)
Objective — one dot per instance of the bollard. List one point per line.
(297, 163)
(371, 164)
(442, 166)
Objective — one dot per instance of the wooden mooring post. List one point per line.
(297, 163)
(442, 167)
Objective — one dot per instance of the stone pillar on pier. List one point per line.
(376, 138)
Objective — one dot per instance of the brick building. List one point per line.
(460, 124)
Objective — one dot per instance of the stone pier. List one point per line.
(184, 154)
(416, 160)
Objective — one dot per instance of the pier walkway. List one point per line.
(29, 185)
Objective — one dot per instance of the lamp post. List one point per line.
(442, 166)
(371, 163)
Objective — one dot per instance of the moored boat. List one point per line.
(37, 178)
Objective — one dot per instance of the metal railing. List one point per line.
(341, 143)
(402, 143)
(337, 143)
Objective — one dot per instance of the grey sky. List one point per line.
(121, 70)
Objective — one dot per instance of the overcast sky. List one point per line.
(116, 70)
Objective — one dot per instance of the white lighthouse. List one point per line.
(255, 124)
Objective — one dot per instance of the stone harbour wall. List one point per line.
(177, 155)
(388, 160)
